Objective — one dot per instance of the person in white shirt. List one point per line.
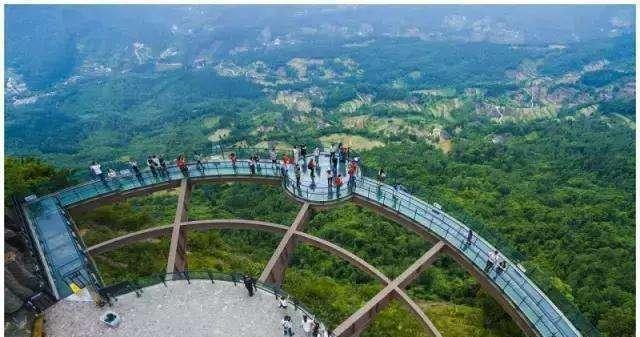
(97, 171)
(282, 302)
(307, 325)
(287, 326)
(492, 260)
(273, 155)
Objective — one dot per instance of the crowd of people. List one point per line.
(299, 160)
(156, 165)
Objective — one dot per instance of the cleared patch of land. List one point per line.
(219, 135)
(353, 141)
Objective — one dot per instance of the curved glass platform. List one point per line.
(513, 283)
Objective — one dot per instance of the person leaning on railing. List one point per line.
(198, 159)
(181, 162)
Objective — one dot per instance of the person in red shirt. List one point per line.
(182, 165)
(338, 183)
(233, 159)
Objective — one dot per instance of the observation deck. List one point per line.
(199, 308)
(68, 260)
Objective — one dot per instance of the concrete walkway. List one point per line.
(196, 310)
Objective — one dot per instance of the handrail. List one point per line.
(414, 208)
(137, 285)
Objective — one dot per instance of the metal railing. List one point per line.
(512, 282)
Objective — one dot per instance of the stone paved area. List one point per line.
(196, 310)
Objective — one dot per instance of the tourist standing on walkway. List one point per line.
(316, 154)
(233, 159)
(303, 152)
(353, 170)
(252, 166)
(152, 167)
(307, 325)
(297, 173)
(287, 325)
(334, 165)
(316, 329)
(198, 159)
(382, 175)
(249, 283)
(312, 169)
(296, 154)
(329, 180)
(273, 155)
(136, 170)
(96, 170)
(182, 165)
(502, 265)
(163, 166)
(469, 237)
(156, 163)
(492, 260)
(338, 183)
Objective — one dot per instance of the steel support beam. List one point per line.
(360, 320)
(177, 259)
(274, 271)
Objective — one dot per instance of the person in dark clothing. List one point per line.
(469, 237)
(152, 167)
(136, 171)
(316, 328)
(303, 151)
(163, 166)
(283, 171)
(233, 159)
(249, 283)
(297, 173)
(334, 165)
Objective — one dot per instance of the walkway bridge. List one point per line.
(67, 259)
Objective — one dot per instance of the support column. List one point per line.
(358, 321)
(274, 271)
(424, 262)
(177, 260)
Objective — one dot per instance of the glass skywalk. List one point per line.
(65, 255)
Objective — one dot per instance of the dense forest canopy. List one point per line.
(524, 130)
